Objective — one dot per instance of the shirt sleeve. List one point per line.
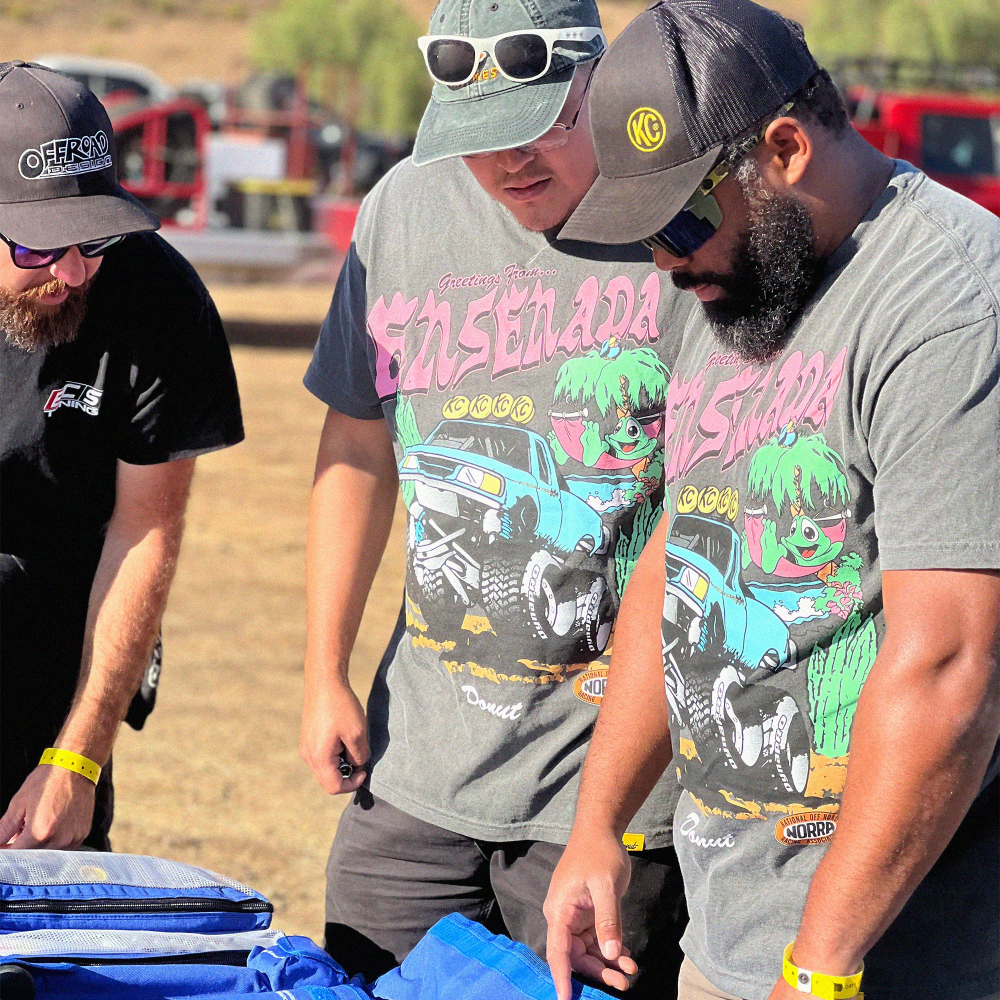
(341, 370)
(935, 442)
(182, 396)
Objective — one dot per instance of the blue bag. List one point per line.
(461, 960)
(81, 889)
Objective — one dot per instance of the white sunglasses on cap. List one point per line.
(520, 56)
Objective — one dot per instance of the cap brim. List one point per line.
(626, 209)
(62, 222)
(501, 119)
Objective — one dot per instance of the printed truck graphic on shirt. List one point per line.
(494, 524)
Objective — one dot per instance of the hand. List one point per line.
(583, 911)
(332, 722)
(53, 809)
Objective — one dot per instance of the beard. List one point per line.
(774, 273)
(30, 327)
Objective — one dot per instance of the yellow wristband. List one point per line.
(72, 762)
(819, 984)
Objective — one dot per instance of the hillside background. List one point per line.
(189, 39)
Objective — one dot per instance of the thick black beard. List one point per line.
(774, 273)
(30, 328)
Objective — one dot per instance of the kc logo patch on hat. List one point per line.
(64, 157)
(646, 129)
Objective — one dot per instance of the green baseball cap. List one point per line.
(489, 111)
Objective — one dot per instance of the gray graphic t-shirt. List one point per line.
(524, 383)
(869, 444)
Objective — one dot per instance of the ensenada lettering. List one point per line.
(746, 410)
(506, 330)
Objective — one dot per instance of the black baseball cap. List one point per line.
(683, 80)
(58, 177)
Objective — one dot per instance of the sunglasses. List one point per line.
(520, 56)
(700, 218)
(557, 135)
(26, 258)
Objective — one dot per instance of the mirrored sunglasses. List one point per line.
(520, 56)
(699, 220)
(26, 258)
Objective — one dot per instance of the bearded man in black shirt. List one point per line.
(115, 374)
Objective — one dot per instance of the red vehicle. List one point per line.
(952, 137)
(161, 154)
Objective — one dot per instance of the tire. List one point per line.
(789, 746)
(500, 584)
(598, 617)
(698, 692)
(739, 720)
(443, 610)
(551, 611)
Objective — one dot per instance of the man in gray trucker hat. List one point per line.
(512, 390)
(114, 375)
(826, 587)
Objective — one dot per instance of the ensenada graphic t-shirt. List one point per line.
(869, 444)
(524, 383)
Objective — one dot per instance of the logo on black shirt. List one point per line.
(75, 395)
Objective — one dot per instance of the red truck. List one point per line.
(953, 137)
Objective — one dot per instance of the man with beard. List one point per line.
(512, 388)
(115, 375)
(827, 586)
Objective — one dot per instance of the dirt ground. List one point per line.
(214, 778)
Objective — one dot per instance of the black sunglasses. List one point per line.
(28, 259)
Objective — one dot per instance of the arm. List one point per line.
(926, 725)
(54, 807)
(350, 515)
(629, 750)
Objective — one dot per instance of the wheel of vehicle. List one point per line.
(500, 582)
(598, 616)
(739, 718)
(698, 694)
(443, 610)
(789, 745)
(551, 609)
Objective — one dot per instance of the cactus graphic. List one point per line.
(836, 674)
(630, 545)
(408, 434)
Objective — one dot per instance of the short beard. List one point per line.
(774, 273)
(31, 328)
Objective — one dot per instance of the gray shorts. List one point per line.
(390, 877)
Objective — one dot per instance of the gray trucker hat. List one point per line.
(58, 178)
(491, 112)
(682, 81)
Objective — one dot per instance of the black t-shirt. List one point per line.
(148, 379)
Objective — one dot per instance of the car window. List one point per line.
(508, 445)
(543, 465)
(709, 539)
(954, 144)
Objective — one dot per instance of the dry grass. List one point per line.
(215, 778)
